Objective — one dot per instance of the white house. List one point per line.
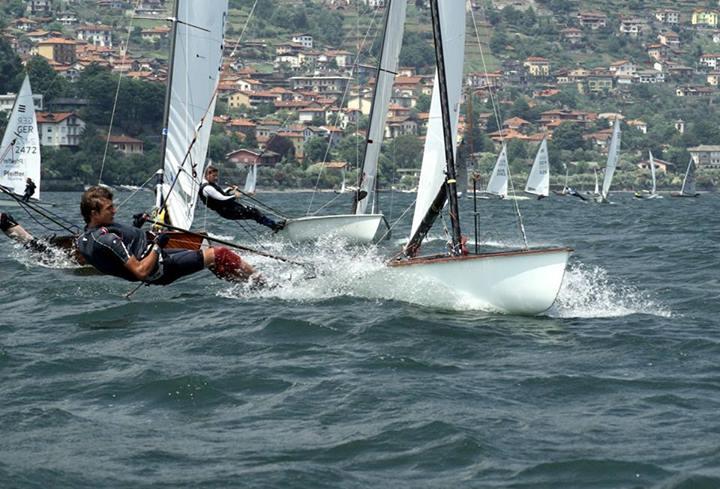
(59, 129)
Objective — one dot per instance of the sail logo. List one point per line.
(21, 108)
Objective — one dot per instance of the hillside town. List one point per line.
(294, 99)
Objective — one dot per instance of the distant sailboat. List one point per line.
(644, 194)
(538, 182)
(20, 149)
(612, 161)
(596, 192)
(498, 183)
(688, 185)
(250, 180)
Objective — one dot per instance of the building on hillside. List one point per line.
(639, 125)
(661, 166)
(632, 26)
(705, 17)
(303, 39)
(68, 19)
(67, 104)
(59, 129)
(125, 144)
(327, 84)
(400, 126)
(537, 66)
(40, 8)
(623, 68)
(95, 34)
(668, 16)
(657, 52)
(648, 76)
(597, 81)
(694, 91)
(592, 20)
(710, 60)
(155, 34)
(249, 157)
(669, 38)
(706, 155)
(8, 100)
(57, 49)
(571, 35)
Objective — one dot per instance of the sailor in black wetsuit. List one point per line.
(124, 251)
(223, 202)
(29, 189)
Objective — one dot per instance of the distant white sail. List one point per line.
(652, 171)
(612, 160)
(251, 180)
(392, 41)
(597, 186)
(688, 185)
(432, 173)
(539, 179)
(498, 183)
(196, 63)
(20, 149)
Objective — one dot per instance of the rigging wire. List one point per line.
(117, 93)
(497, 120)
(356, 65)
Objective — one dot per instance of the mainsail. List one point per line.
(432, 173)
(498, 183)
(387, 69)
(612, 160)
(688, 185)
(539, 180)
(20, 149)
(652, 172)
(193, 79)
(251, 180)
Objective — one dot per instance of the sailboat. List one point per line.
(20, 148)
(652, 194)
(193, 76)
(498, 182)
(688, 185)
(361, 226)
(250, 180)
(596, 192)
(538, 182)
(518, 281)
(612, 161)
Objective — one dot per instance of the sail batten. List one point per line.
(20, 148)
(195, 73)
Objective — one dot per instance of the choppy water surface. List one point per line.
(324, 383)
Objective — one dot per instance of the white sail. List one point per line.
(498, 183)
(432, 173)
(612, 160)
(597, 186)
(652, 172)
(539, 179)
(195, 74)
(392, 41)
(251, 180)
(20, 149)
(688, 185)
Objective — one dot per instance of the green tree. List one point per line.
(44, 79)
(10, 67)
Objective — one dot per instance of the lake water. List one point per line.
(322, 383)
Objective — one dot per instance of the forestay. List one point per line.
(387, 69)
(539, 180)
(498, 183)
(195, 73)
(20, 148)
(432, 173)
(612, 160)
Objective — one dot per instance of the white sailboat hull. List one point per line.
(524, 282)
(353, 228)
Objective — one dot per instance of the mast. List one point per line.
(160, 199)
(449, 189)
(386, 71)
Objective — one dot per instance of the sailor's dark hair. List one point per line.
(210, 169)
(90, 200)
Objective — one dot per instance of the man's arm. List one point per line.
(142, 269)
(212, 193)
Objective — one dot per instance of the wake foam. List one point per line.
(587, 292)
